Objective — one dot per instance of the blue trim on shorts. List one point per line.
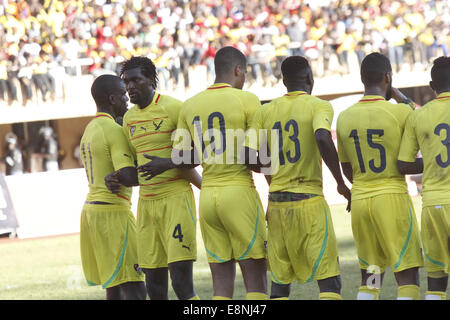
(91, 283)
(274, 279)
(190, 211)
(214, 256)
(408, 237)
(363, 261)
(440, 264)
(322, 250)
(252, 242)
(119, 265)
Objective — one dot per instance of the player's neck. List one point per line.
(440, 91)
(298, 88)
(146, 101)
(226, 80)
(375, 91)
(104, 109)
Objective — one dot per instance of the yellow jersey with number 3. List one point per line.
(149, 131)
(103, 150)
(428, 129)
(292, 121)
(216, 120)
(369, 135)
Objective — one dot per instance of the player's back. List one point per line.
(432, 128)
(103, 150)
(220, 115)
(369, 136)
(291, 122)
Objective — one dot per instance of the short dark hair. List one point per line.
(373, 68)
(146, 65)
(295, 69)
(227, 58)
(440, 73)
(103, 86)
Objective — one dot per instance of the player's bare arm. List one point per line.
(330, 157)
(158, 165)
(123, 177)
(347, 170)
(415, 167)
(192, 176)
(398, 96)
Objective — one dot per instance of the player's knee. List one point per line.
(332, 284)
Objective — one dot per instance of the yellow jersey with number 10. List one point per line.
(216, 120)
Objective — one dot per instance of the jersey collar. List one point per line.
(295, 93)
(371, 98)
(443, 95)
(103, 114)
(219, 86)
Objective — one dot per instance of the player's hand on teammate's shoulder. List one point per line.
(112, 182)
(154, 167)
(345, 191)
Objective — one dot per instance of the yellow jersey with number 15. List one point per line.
(369, 135)
(103, 150)
(428, 128)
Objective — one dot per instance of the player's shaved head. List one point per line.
(295, 69)
(103, 87)
(373, 68)
(227, 58)
(440, 74)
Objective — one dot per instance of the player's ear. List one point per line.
(388, 77)
(432, 86)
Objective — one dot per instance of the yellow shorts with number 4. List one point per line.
(166, 229)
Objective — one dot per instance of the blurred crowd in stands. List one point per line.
(44, 40)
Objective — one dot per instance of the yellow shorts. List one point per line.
(108, 245)
(232, 223)
(386, 232)
(166, 230)
(301, 241)
(435, 231)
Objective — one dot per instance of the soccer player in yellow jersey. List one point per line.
(384, 223)
(428, 129)
(231, 214)
(108, 228)
(301, 240)
(166, 218)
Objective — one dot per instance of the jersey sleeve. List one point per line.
(340, 145)
(182, 139)
(121, 155)
(173, 110)
(323, 116)
(252, 135)
(409, 145)
(251, 105)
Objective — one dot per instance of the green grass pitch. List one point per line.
(50, 269)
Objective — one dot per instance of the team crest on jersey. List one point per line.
(132, 130)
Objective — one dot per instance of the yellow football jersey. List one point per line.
(428, 129)
(103, 150)
(216, 120)
(149, 131)
(369, 135)
(291, 122)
